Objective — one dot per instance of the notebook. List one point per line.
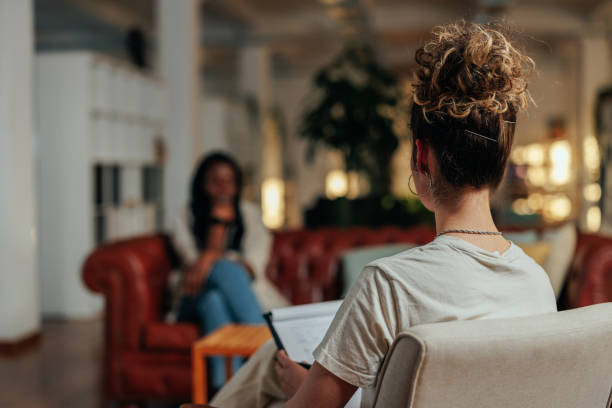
(299, 329)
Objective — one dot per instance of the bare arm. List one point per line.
(198, 271)
(323, 389)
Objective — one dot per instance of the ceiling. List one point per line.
(302, 34)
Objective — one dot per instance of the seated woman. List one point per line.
(469, 85)
(225, 247)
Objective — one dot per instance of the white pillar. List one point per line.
(19, 316)
(179, 65)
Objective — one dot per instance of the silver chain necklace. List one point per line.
(467, 231)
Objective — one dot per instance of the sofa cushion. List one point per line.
(353, 260)
(538, 251)
(523, 237)
(563, 244)
(170, 337)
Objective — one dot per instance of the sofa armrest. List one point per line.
(131, 275)
(178, 337)
(589, 280)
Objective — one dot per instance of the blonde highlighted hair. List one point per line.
(469, 66)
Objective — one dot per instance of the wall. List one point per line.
(290, 93)
(554, 93)
(19, 315)
(214, 124)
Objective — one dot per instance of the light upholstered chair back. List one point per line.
(560, 360)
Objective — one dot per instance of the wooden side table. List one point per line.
(231, 340)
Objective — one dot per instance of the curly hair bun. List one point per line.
(471, 68)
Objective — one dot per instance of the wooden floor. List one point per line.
(63, 370)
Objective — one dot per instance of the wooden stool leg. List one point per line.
(228, 368)
(199, 393)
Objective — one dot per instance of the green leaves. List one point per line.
(351, 109)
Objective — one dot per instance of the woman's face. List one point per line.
(220, 183)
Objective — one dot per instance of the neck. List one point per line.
(471, 211)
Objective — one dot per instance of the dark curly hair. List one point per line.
(200, 202)
(469, 85)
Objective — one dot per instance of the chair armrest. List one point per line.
(590, 277)
(131, 275)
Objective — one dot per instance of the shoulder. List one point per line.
(526, 263)
(415, 259)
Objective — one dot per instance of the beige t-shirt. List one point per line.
(447, 279)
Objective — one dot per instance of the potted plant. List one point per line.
(352, 110)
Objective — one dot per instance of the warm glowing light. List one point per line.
(591, 154)
(560, 159)
(535, 154)
(557, 208)
(336, 184)
(537, 176)
(535, 201)
(273, 202)
(592, 192)
(593, 219)
(518, 155)
(521, 207)
(353, 185)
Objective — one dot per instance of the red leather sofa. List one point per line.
(146, 358)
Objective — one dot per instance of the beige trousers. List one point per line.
(255, 385)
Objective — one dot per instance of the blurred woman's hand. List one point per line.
(224, 214)
(198, 273)
(224, 211)
(217, 238)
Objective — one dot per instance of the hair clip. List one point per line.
(483, 136)
(509, 121)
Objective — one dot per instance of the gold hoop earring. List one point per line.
(428, 189)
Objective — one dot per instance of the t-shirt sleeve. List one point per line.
(362, 331)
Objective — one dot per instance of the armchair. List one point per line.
(561, 360)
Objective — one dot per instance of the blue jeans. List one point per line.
(225, 297)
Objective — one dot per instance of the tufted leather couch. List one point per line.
(589, 279)
(146, 358)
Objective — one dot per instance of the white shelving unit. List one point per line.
(98, 179)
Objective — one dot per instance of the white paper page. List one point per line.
(355, 401)
(301, 337)
(302, 311)
(301, 329)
